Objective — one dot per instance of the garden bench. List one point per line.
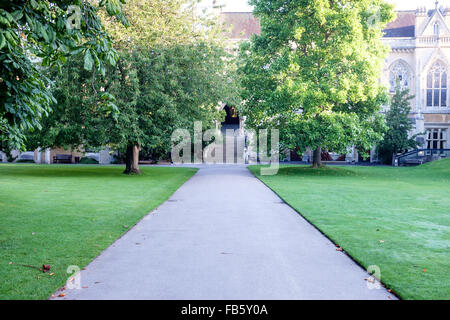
(62, 158)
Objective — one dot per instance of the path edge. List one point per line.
(60, 289)
(323, 233)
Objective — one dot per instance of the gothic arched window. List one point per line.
(399, 75)
(437, 86)
(436, 29)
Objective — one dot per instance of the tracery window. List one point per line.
(399, 74)
(437, 86)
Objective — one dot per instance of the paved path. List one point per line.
(224, 235)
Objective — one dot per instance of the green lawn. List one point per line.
(66, 215)
(396, 218)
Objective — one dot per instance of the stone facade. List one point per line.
(419, 59)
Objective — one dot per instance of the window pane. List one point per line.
(437, 77)
(444, 98)
(429, 98)
(435, 134)
(436, 98)
(435, 145)
(429, 81)
(444, 80)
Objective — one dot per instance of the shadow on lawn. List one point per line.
(324, 171)
(64, 171)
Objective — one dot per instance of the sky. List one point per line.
(242, 6)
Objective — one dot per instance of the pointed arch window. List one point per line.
(436, 29)
(437, 86)
(399, 75)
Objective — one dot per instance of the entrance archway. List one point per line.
(232, 122)
(232, 117)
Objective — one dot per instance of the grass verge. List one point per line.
(67, 215)
(395, 218)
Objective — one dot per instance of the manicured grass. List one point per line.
(66, 215)
(395, 218)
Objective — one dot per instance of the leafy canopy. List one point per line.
(165, 78)
(36, 34)
(314, 71)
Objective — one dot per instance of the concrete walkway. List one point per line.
(224, 235)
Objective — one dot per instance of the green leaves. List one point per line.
(2, 41)
(313, 72)
(34, 4)
(397, 136)
(88, 60)
(25, 94)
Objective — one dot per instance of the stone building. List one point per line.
(419, 59)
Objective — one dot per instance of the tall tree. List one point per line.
(314, 72)
(397, 137)
(36, 34)
(194, 66)
(166, 78)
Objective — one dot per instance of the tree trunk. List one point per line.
(393, 157)
(317, 158)
(132, 160)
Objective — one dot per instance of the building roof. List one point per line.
(244, 25)
(403, 26)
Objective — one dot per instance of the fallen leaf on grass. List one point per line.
(126, 227)
(424, 270)
(381, 241)
(45, 268)
(62, 295)
(52, 274)
(339, 249)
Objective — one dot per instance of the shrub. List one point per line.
(86, 160)
(25, 161)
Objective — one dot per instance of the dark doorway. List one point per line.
(231, 123)
(232, 116)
